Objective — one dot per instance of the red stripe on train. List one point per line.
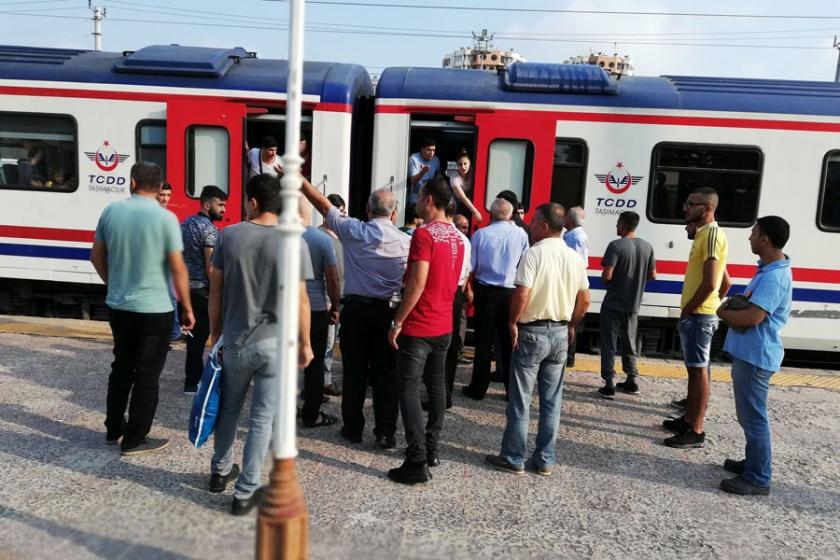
(719, 122)
(48, 234)
(741, 271)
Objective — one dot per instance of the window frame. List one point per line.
(190, 158)
(530, 157)
(821, 199)
(137, 136)
(742, 147)
(584, 165)
(75, 145)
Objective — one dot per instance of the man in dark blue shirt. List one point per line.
(200, 237)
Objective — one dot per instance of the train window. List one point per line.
(733, 171)
(509, 167)
(208, 154)
(828, 215)
(151, 143)
(568, 177)
(38, 152)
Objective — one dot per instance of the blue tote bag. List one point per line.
(205, 408)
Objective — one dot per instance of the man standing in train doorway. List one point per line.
(422, 166)
(698, 321)
(137, 253)
(200, 236)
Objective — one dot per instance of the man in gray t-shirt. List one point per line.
(628, 264)
(245, 287)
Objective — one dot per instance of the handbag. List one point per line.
(205, 407)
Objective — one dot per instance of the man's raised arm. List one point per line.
(318, 200)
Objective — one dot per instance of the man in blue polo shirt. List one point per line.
(755, 320)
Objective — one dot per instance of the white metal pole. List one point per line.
(291, 229)
(97, 28)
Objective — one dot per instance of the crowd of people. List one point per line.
(395, 300)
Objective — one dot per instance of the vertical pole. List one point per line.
(98, 16)
(837, 70)
(282, 524)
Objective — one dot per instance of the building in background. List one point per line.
(482, 56)
(615, 64)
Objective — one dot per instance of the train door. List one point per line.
(205, 146)
(514, 152)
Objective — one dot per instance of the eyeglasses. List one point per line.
(688, 203)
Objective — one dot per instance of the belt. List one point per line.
(492, 287)
(544, 323)
(365, 300)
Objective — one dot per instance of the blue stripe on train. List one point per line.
(45, 251)
(675, 287)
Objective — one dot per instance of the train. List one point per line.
(549, 132)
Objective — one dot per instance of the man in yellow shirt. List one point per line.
(698, 321)
(551, 295)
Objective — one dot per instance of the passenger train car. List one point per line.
(572, 134)
(72, 123)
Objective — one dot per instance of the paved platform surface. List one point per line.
(615, 493)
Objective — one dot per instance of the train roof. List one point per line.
(186, 67)
(584, 85)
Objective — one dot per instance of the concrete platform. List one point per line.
(615, 493)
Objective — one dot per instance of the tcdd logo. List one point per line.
(618, 180)
(106, 157)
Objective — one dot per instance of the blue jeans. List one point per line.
(540, 358)
(328, 354)
(750, 385)
(696, 334)
(257, 361)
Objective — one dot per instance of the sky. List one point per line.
(784, 48)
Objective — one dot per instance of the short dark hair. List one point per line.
(165, 186)
(265, 189)
(776, 229)
(268, 142)
(629, 219)
(210, 192)
(146, 175)
(428, 142)
(336, 200)
(438, 188)
(553, 214)
(451, 208)
(410, 215)
(511, 197)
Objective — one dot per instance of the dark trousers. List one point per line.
(492, 309)
(570, 358)
(422, 358)
(141, 341)
(313, 375)
(366, 355)
(198, 341)
(456, 345)
(618, 326)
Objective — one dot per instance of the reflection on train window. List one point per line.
(38, 152)
(828, 217)
(509, 167)
(151, 143)
(208, 155)
(678, 169)
(568, 177)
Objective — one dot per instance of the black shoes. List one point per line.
(676, 425)
(679, 404)
(741, 487)
(148, 445)
(219, 482)
(332, 391)
(352, 438)
(733, 466)
(245, 505)
(570, 362)
(432, 458)
(111, 440)
(686, 440)
(542, 471)
(386, 442)
(410, 473)
(607, 392)
(630, 387)
(501, 464)
(190, 390)
(468, 393)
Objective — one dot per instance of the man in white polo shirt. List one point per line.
(551, 297)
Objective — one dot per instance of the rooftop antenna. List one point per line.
(99, 13)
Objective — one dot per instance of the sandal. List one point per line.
(323, 419)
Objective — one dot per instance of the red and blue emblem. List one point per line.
(106, 157)
(618, 180)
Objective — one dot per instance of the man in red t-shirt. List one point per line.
(422, 328)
